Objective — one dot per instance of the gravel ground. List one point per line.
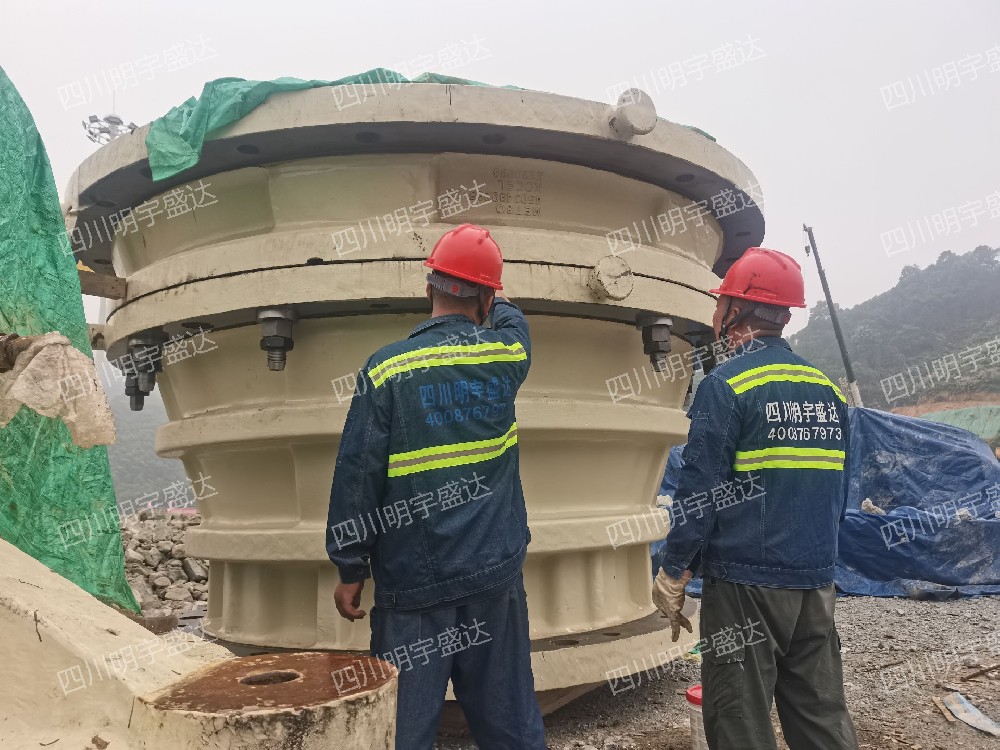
(898, 655)
(163, 578)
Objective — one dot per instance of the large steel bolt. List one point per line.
(144, 358)
(276, 335)
(635, 114)
(655, 339)
(136, 399)
(611, 278)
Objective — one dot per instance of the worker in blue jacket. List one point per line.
(758, 505)
(427, 501)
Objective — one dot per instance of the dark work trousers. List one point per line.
(764, 644)
(484, 648)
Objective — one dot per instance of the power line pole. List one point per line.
(852, 382)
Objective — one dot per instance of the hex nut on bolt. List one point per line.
(276, 335)
(144, 358)
(655, 338)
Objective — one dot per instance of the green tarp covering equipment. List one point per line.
(57, 502)
(174, 141)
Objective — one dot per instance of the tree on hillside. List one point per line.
(928, 332)
(820, 313)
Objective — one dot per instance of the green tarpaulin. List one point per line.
(174, 141)
(57, 502)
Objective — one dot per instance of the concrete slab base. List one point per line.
(73, 666)
(299, 701)
(79, 674)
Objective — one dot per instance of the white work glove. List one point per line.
(668, 596)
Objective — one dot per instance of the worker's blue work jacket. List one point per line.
(762, 491)
(426, 494)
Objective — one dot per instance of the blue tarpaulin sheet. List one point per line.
(940, 488)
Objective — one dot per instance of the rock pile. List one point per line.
(163, 578)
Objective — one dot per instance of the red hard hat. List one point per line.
(468, 252)
(766, 276)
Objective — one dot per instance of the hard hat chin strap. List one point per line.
(724, 328)
(742, 315)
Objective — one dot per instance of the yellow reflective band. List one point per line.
(424, 364)
(454, 454)
(440, 351)
(781, 374)
(751, 374)
(789, 458)
(438, 356)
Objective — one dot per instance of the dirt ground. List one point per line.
(898, 655)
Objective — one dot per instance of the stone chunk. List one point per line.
(161, 533)
(152, 557)
(143, 593)
(194, 570)
(178, 593)
(176, 574)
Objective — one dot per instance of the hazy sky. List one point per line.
(858, 118)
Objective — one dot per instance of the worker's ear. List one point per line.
(734, 310)
(427, 291)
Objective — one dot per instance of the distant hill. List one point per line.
(924, 341)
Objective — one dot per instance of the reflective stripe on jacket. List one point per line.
(761, 492)
(426, 495)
